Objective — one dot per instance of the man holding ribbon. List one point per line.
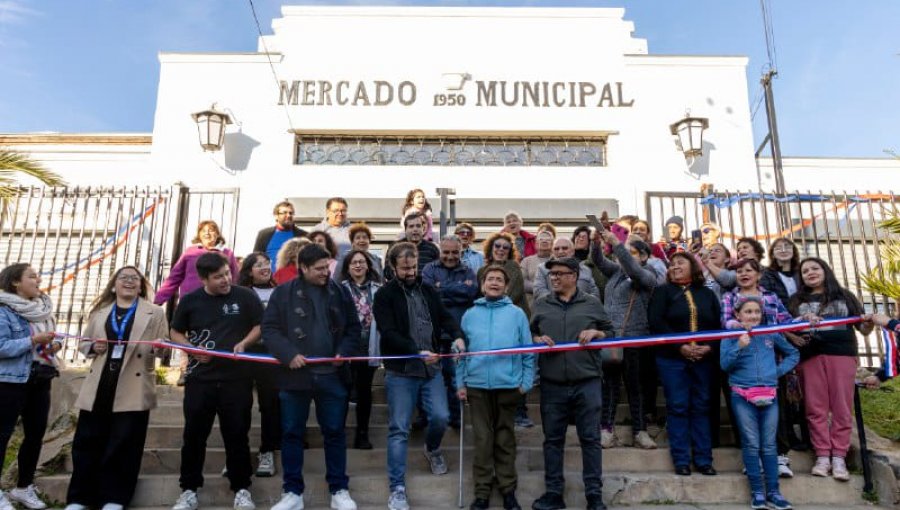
(570, 380)
(313, 317)
(223, 317)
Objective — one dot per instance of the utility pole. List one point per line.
(782, 213)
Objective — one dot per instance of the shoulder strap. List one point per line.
(628, 312)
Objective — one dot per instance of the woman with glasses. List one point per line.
(828, 364)
(469, 255)
(532, 263)
(747, 248)
(782, 276)
(361, 240)
(256, 275)
(117, 394)
(500, 250)
(358, 275)
(684, 305)
(183, 278)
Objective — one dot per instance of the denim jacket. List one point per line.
(15, 347)
(755, 364)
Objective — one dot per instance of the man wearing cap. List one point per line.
(570, 381)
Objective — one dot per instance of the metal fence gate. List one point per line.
(77, 237)
(839, 227)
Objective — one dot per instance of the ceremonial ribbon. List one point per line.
(537, 348)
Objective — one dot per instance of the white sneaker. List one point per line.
(289, 501)
(608, 439)
(187, 501)
(243, 500)
(784, 467)
(112, 506)
(266, 465)
(643, 440)
(341, 500)
(4, 503)
(398, 501)
(839, 469)
(822, 466)
(75, 506)
(28, 497)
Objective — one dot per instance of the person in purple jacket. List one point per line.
(183, 277)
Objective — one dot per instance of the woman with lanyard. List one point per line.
(685, 305)
(360, 277)
(256, 274)
(117, 394)
(27, 367)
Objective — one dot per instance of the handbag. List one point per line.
(614, 355)
(42, 372)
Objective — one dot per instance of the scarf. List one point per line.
(39, 313)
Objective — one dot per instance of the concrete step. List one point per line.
(426, 490)
(170, 436)
(171, 413)
(167, 460)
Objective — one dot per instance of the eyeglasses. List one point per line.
(464, 233)
(338, 211)
(783, 248)
(502, 246)
(358, 263)
(128, 278)
(707, 230)
(262, 265)
(560, 274)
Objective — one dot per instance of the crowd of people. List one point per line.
(325, 294)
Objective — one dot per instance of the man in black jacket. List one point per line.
(411, 320)
(570, 381)
(312, 317)
(269, 240)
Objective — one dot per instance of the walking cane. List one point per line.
(863, 448)
(462, 428)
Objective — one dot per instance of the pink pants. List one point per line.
(828, 389)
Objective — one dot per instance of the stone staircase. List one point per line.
(631, 476)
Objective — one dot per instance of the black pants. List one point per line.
(649, 380)
(362, 382)
(106, 457)
(232, 402)
(265, 378)
(628, 370)
(31, 401)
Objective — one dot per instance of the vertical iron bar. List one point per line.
(12, 225)
(31, 191)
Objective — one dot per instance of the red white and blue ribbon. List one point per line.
(537, 348)
(890, 353)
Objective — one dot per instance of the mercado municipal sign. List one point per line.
(459, 90)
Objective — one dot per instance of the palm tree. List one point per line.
(12, 163)
(887, 281)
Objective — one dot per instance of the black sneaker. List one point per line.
(549, 501)
(595, 502)
(480, 504)
(510, 502)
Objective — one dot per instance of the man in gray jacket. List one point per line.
(570, 381)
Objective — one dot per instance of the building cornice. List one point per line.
(75, 139)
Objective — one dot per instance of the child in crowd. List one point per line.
(416, 202)
(753, 374)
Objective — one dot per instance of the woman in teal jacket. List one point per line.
(493, 385)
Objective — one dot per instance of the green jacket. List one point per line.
(563, 322)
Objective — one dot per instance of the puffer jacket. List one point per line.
(495, 324)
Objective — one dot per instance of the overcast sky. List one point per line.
(91, 65)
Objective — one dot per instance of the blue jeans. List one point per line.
(583, 401)
(402, 393)
(758, 427)
(686, 385)
(330, 396)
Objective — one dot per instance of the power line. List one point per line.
(287, 112)
(769, 29)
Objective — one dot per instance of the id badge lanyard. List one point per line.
(119, 329)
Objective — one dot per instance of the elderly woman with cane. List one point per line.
(493, 385)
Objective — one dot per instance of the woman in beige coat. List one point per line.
(118, 393)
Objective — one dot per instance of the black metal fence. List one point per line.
(77, 237)
(839, 227)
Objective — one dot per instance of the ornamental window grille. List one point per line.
(376, 150)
